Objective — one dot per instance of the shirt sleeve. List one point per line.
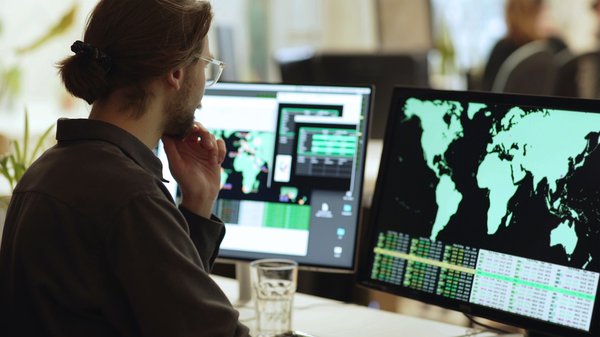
(206, 234)
(163, 275)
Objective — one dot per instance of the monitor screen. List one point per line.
(292, 177)
(490, 204)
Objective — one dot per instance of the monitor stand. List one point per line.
(242, 275)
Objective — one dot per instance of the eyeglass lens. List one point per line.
(212, 71)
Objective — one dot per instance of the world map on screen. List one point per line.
(248, 160)
(527, 166)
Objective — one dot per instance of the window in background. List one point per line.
(476, 25)
(473, 27)
(576, 23)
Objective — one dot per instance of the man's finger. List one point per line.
(221, 150)
(171, 149)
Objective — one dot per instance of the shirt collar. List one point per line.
(91, 129)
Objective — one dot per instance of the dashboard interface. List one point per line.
(292, 177)
(490, 204)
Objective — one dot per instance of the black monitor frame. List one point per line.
(372, 223)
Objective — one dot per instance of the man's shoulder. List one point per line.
(81, 175)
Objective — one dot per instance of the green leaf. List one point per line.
(17, 148)
(25, 138)
(39, 144)
(65, 22)
(12, 81)
(19, 170)
(4, 170)
(14, 164)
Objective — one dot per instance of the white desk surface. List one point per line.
(328, 318)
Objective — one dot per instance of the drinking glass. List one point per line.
(274, 283)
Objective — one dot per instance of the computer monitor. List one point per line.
(293, 174)
(489, 204)
(384, 71)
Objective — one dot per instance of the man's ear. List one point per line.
(175, 78)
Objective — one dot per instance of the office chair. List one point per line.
(578, 75)
(296, 64)
(528, 70)
(383, 70)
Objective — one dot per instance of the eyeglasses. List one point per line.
(213, 70)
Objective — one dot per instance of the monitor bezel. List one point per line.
(359, 222)
(363, 271)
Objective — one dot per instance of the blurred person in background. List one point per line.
(526, 21)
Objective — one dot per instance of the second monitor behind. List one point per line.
(382, 70)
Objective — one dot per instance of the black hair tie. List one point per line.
(86, 49)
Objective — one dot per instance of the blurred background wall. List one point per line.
(250, 32)
(455, 35)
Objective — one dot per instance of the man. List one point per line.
(526, 21)
(93, 244)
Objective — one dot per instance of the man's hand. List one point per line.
(195, 162)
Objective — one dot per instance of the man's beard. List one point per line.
(180, 115)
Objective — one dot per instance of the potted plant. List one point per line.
(22, 153)
(19, 157)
